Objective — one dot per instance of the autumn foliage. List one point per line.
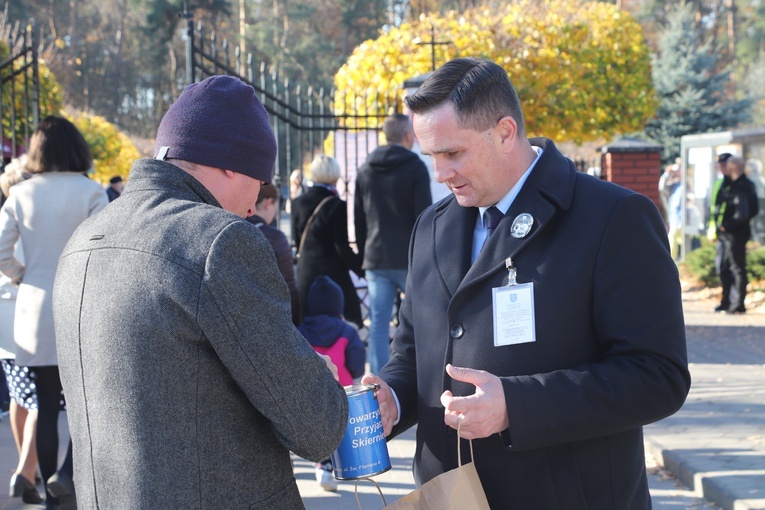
(17, 97)
(113, 151)
(581, 69)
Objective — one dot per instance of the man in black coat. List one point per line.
(735, 206)
(392, 189)
(551, 327)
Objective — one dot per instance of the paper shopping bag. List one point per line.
(458, 489)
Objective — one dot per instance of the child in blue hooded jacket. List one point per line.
(326, 330)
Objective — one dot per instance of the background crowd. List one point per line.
(160, 279)
(52, 194)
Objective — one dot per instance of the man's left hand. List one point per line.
(482, 413)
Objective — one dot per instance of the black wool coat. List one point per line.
(392, 189)
(326, 250)
(609, 355)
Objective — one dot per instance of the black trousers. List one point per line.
(730, 263)
(48, 385)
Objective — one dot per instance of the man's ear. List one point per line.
(507, 129)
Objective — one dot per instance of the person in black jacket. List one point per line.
(324, 248)
(114, 190)
(392, 189)
(735, 205)
(529, 323)
(266, 209)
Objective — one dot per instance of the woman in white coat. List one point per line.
(23, 402)
(43, 212)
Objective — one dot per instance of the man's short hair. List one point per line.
(325, 169)
(480, 91)
(267, 192)
(115, 179)
(396, 127)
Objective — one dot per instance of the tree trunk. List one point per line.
(118, 82)
(242, 27)
(731, 4)
(276, 17)
(285, 26)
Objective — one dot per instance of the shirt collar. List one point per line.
(505, 202)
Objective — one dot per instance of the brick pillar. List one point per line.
(634, 164)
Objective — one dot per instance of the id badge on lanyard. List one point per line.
(513, 307)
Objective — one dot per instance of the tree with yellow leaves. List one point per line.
(113, 151)
(581, 69)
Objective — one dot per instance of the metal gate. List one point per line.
(305, 121)
(19, 86)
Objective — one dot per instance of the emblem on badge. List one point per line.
(521, 225)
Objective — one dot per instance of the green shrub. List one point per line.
(755, 263)
(700, 263)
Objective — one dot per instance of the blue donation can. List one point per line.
(363, 450)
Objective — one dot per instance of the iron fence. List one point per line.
(305, 121)
(19, 85)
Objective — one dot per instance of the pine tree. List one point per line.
(692, 95)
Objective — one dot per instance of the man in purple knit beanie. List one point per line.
(187, 383)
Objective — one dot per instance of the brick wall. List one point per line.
(637, 170)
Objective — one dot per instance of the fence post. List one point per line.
(35, 78)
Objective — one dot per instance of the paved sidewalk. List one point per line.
(9, 457)
(715, 444)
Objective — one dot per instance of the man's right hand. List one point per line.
(388, 408)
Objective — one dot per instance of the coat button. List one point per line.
(457, 331)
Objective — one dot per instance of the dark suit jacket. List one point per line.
(609, 355)
(326, 250)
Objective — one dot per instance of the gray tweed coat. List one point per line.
(187, 384)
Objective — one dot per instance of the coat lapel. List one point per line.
(453, 227)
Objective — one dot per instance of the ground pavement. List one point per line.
(715, 444)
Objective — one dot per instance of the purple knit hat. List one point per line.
(219, 122)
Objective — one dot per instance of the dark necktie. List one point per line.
(492, 217)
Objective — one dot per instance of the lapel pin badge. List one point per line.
(522, 225)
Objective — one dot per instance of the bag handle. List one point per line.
(356, 491)
(459, 461)
(459, 450)
(310, 219)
